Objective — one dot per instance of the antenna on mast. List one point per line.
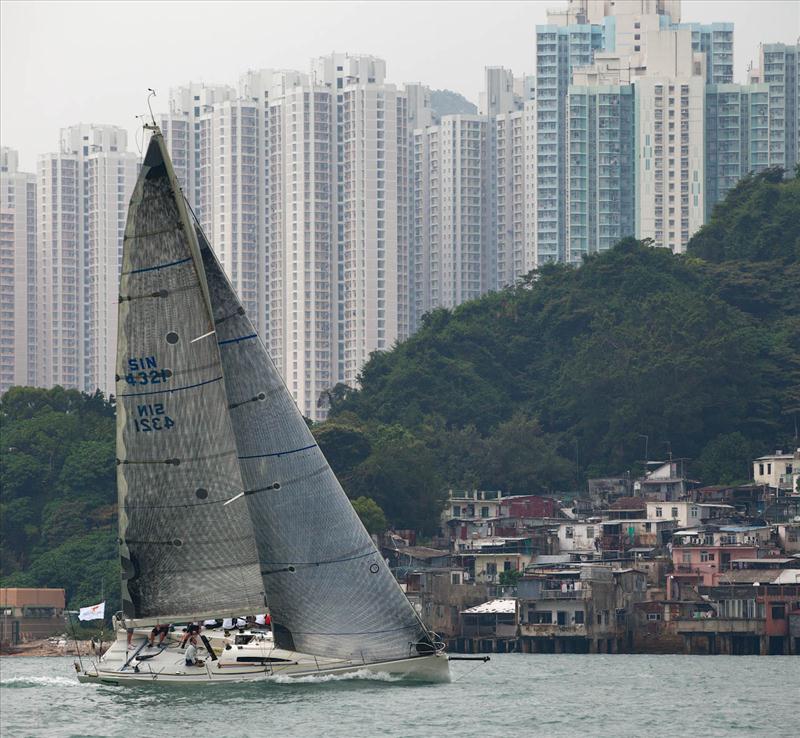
(149, 107)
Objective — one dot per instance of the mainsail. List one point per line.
(184, 552)
(329, 590)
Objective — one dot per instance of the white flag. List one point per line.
(94, 612)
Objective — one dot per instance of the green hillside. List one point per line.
(568, 371)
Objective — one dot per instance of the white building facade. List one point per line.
(18, 349)
(82, 202)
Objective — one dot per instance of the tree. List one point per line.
(371, 514)
(401, 477)
(344, 447)
(725, 460)
(520, 459)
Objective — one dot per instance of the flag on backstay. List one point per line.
(93, 612)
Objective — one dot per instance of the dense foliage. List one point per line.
(58, 504)
(576, 372)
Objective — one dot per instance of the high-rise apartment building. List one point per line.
(737, 136)
(600, 160)
(451, 261)
(670, 140)
(18, 349)
(185, 132)
(715, 40)
(559, 50)
(779, 67)
(82, 201)
(301, 241)
(372, 218)
(302, 184)
(511, 189)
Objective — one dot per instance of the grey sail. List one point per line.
(329, 590)
(184, 552)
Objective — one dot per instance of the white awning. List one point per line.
(505, 606)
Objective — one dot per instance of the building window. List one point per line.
(706, 556)
(654, 616)
(693, 511)
(659, 512)
(456, 511)
(590, 531)
(761, 470)
(568, 532)
(778, 612)
(484, 512)
(579, 617)
(561, 617)
(674, 512)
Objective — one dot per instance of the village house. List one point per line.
(621, 535)
(686, 514)
(488, 559)
(605, 491)
(414, 557)
(27, 614)
(494, 621)
(439, 595)
(472, 513)
(748, 616)
(701, 555)
(667, 482)
(788, 535)
(580, 536)
(580, 609)
(778, 471)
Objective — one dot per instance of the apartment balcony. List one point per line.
(558, 594)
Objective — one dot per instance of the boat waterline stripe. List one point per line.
(159, 266)
(167, 391)
(237, 340)
(279, 453)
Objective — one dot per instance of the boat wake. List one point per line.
(361, 674)
(38, 681)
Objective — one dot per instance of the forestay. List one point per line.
(329, 590)
(183, 551)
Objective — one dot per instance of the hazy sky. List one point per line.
(67, 62)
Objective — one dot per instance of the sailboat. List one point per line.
(227, 505)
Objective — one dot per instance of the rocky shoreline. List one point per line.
(53, 647)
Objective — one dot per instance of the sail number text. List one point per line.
(145, 370)
(152, 418)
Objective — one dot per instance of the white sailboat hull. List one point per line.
(259, 661)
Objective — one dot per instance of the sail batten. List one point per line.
(175, 445)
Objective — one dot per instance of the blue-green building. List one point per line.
(737, 133)
(600, 159)
(781, 71)
(716, 41)
(559, 49)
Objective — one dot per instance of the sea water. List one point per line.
(513, 695)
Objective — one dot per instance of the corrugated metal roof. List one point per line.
(788, 576)
(506, 606)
